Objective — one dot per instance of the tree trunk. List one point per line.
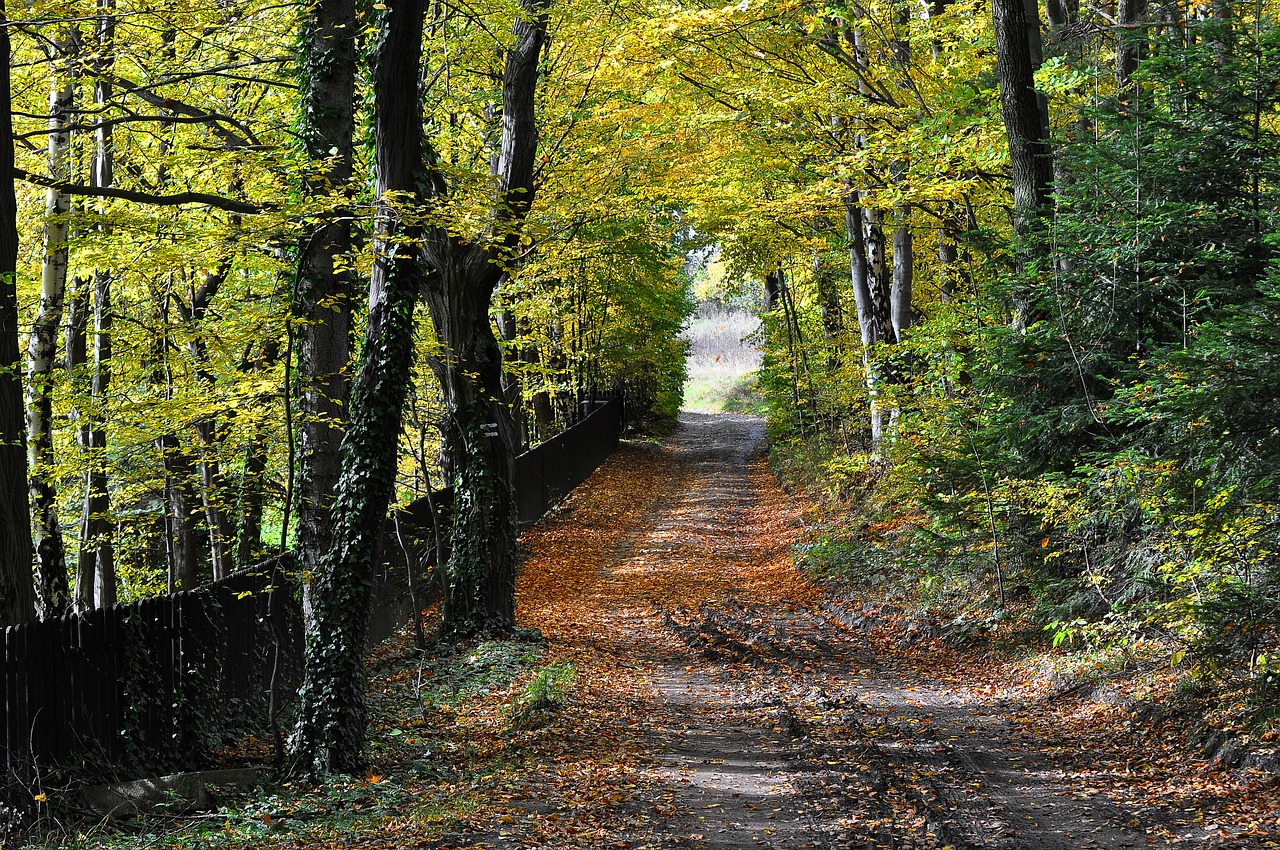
(249, 549)
(481, 573)
(322, 297)
(480, 463)
(332, 722)
(249, 532)
(1029, 157)
(1128, 43)
(184, 512)
(96, 564)
(903, 276)
(17, 591)
(42, 345)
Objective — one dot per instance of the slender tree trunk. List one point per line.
(17, 591)
(832, 310)
(322, 296)
(42, 346)
(97, 547)
(79, 379)
(184, 513)
(249, 534)
(1128, 43)
(332, 721)
(249, 549)
(900, 292)
(96, 562)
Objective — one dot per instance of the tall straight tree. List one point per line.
(478, 432)
(17, 592)
(331, 726)
(322, 296)
(1031, 164)
(42, 346)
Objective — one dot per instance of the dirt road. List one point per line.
(724, 702)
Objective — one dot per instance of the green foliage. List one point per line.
(545, 692)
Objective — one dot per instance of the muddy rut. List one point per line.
(745, 707)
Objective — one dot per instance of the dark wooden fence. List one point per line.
(158, 685)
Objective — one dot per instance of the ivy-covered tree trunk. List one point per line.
(52, 590)
(480, 464)
(331, 726)
(322, 296)
(480, 575)
(17, 591)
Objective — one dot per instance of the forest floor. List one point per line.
(722, 701)
(694, 691)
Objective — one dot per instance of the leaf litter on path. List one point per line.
(723, 701)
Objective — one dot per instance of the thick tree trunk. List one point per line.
(331, 728)
(1030, 162)
(52, 589)
(481, 572)
(480, 462)
(17, 591)
(322, 298)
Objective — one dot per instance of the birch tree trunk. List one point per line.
(42, 345)
(17, 591)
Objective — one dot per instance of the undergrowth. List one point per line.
(449, 726)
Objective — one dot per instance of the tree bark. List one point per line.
(184, 512)
(1030, 162)
(97, 547)
(17, 591)
(900, 292)
(96, 564)
(1128, 43)
(322, 295)
(481, 572)
(332, 721)
(52, 589)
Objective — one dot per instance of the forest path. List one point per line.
(725, 702)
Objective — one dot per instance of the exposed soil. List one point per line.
(725, 702)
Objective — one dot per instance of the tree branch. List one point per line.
(177, 199)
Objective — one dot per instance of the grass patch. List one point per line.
(722, 362)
